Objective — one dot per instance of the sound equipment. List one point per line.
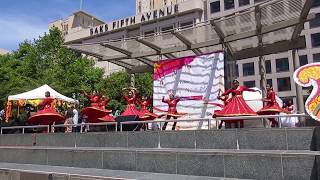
(128, 127)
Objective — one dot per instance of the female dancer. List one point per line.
(102, 105)
(94, 99)
(47, 115)
(271, 107)
(145, 114)
(236, 105)
(172, 109)
(131, 99)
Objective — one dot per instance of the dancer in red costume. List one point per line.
(94, 99)
(271, 107)
(172, 109)
(145, 114)
(94, 112)
(237, 105)
(131, 99)
(225, 101)
(47, 115)
(108, 117)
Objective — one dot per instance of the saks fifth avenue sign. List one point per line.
(152, 15)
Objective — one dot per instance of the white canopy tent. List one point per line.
(39, 93)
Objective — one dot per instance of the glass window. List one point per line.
(315, 22)
(268, 66)
(237, 70)
(269, 81)
(168, 28)
(316, 3)
(316, 57)
(248, 69)
(315, 39)
(186, 24)
(249, 84)
(284, 84)
(228, 4)
(215, 7)
(282, 65)
(303, 60)
(148, 33)
(257, 1)
(244, 2)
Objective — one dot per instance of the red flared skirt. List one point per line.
(94, 113)
(131, 110)
(46, 116)
(145, 115)
(236, 107)
(107, 118)
(270, 109)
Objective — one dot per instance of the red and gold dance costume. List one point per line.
(94, 112)
(131, 109)
(144, 113)
(47, 115)
(271, 107)
(236, 106)
(108, 117)
(94, 100)
(172, 111)
(225, 101)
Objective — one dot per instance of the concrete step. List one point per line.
(260, 139)
(244, 164)
(12, 171)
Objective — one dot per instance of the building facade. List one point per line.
(143, 6)
(279, 67)
(76, 22)
(156, 16)
(3, 52)
(176, 14)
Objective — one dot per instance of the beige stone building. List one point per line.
(76, 22)
(3, 52)
(143, 6)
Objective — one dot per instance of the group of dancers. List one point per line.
(97, 111)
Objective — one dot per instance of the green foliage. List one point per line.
(46, 61)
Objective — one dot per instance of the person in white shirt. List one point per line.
(75, 118)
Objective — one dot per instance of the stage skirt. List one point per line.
(236, 107)
(94, 113)
(145, 115)
(270, 109)
(107, 118)
(130, 110)
(47, 116)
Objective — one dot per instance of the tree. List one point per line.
(46, 61)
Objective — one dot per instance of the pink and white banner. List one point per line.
(194, 79)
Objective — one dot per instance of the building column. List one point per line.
(299, 92)
(262, 72)
(132, 80)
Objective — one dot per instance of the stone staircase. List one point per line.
(204, 154)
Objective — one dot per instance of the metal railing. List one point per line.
(163, 121)
(159, 121)
(260, 117)
(26, 127)
(85, 125)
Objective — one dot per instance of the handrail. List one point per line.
(171, 120)
(87, 124)
(25, 127)
(260, 117)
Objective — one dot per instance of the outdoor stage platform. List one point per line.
(235, 153)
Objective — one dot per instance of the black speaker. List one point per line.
(128, 127)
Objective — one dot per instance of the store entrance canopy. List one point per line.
(245, 34)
